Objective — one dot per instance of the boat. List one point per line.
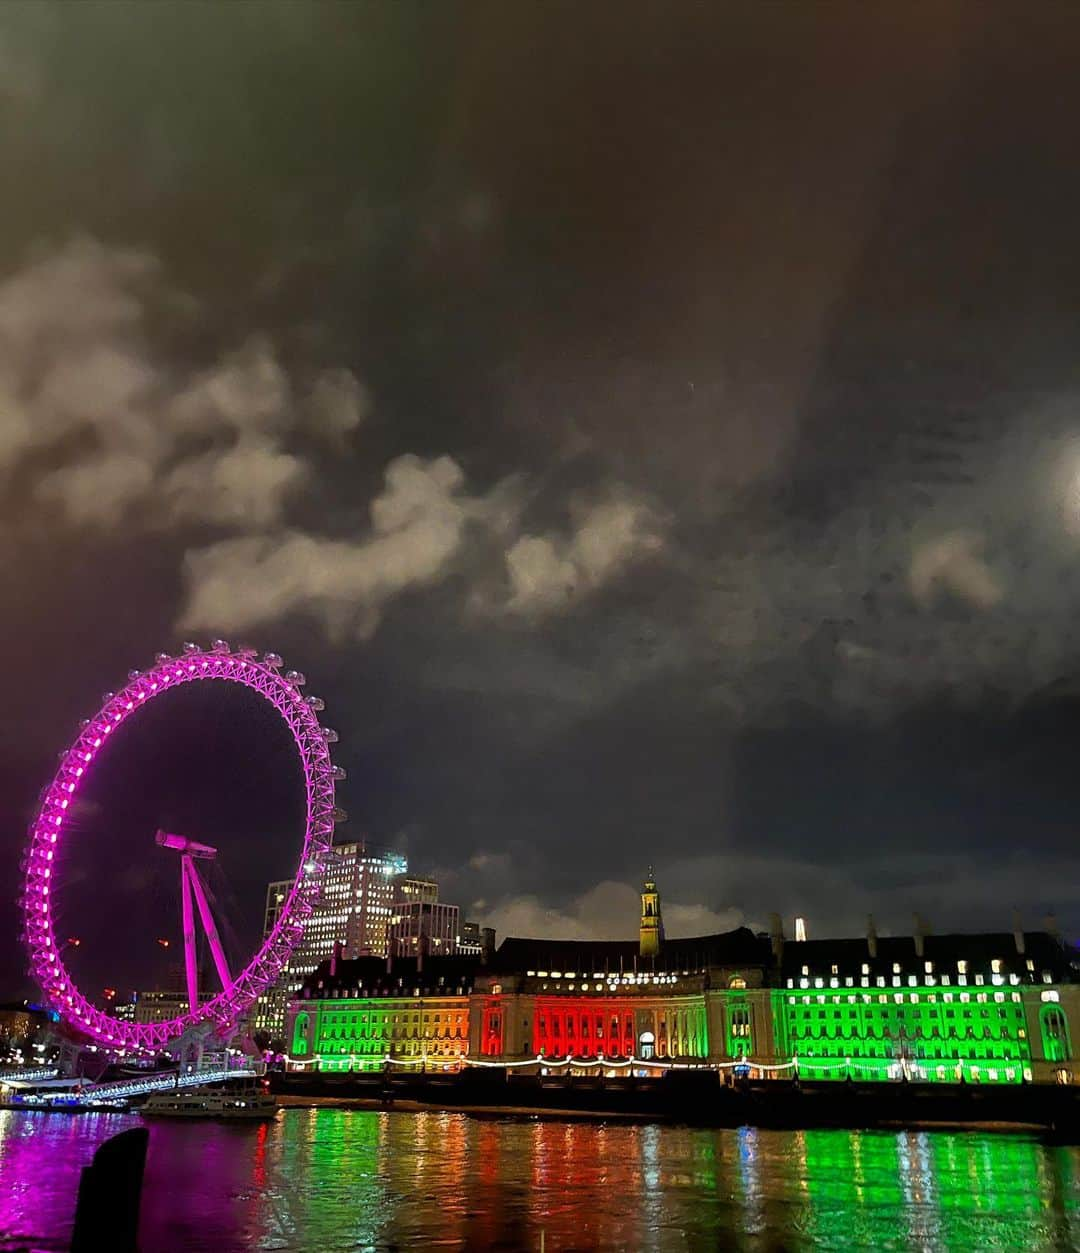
(233, 1099)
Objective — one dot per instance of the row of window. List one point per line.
(854, 999)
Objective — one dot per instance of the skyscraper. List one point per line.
(355, 909)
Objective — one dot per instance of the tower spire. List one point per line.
(651, 932)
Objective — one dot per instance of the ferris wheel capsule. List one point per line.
(329, 735)
(295, 677)
(189, 648)
(316, 702)
(161, 658)
(220, 646)
(273, 660)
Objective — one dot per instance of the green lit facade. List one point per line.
(919, 1033)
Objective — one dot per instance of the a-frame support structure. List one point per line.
(192, 897)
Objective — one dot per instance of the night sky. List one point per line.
(653, 429)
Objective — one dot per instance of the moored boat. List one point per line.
(234, 1099)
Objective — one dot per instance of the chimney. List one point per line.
(487, 939)
(1018, 933)
(335, 957)
(1052, 926)
(920, 935)
(871, 936)
(776, 936)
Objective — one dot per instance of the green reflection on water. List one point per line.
(327, 1180)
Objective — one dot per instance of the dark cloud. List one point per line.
(655, 436)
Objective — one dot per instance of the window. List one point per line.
(1055, 1034)
(995, 966)
(961, 967)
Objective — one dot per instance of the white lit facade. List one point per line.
(355, 909)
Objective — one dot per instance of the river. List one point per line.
(324, 1180)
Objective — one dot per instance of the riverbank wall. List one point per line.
(704, 1099)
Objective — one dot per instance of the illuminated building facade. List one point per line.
(355, 910)
(982, 1008)
(999, 1008)
(354, 1015)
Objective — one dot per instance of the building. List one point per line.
(24, 1029)
(472, 940)
(159, 1006)
(997, 1007)
(421, 923)
(651, 928)
(365, 1014)
(354, 910)
(411, 888)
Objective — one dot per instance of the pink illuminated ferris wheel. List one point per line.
(43, 862)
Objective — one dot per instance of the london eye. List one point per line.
(239, 983)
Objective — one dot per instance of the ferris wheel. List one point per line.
(43, 863)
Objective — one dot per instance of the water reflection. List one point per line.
(335, 1179)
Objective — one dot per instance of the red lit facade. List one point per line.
(565, 1026)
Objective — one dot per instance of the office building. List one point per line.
(354, 910)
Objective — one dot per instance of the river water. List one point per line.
(324, 1180)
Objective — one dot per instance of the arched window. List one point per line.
(1055, 1034)
(299, 1042)
(647, 1044)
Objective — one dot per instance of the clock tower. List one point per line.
(652, 922)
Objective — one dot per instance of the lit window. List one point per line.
(896, 968)
(928, 967)
(1031, 965)
(865, 968)
(1050, 995)
(995, 966)
(961, 967)
(833, 970)
(806, 970)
